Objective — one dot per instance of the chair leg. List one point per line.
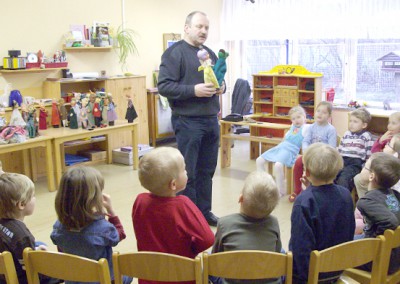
(289, 180)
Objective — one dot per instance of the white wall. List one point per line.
(32, 25)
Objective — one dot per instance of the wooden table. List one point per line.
(254, 138)
(61, 135)
(28, 145)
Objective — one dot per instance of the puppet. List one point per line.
(206, 66)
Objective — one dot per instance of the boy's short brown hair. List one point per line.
(14, 188)
(260, 195)
(386, 169)
(328, 106)
(159, 167)
(362, 114)
(322, 161)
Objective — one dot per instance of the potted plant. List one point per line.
(125, 45)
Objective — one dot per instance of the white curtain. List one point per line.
(309, 19)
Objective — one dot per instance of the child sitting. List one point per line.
(381, 205)
(81, 207)
(393, 128)
(254, 228)
(355, 147)
(163, 221)
(286, 152)
(323, 214)
(17, 200)
(320, 131)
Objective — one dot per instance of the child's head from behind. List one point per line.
(323, 112)
(359, 119)
(393, 147)
(297, 115)
(17, 196)
(162, 171)
(384, 170)
(259, 195)
(322, 163)
(79, 199)
(394, 123)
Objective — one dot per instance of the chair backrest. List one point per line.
(156, 266)
(7, 268)
(393, 239)
(348, 255)
(248, 264)
(64, 266)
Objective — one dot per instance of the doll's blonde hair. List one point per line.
(260, 195)
(79, 199)
(159, 167)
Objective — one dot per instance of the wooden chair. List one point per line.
(392, 241)
(156, 266)
(64, 266)
(247, 264)
(348, 255)
(7, 268)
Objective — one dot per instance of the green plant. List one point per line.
(125, 45)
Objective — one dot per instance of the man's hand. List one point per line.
(221, 90)
(204, 90)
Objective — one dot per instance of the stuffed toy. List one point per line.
(220, 66)
(206, 66)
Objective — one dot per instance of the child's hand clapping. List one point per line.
(107, 204)
(388, 135)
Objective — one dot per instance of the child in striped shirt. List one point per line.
(355, 147)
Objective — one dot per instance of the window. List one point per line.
(351, 67)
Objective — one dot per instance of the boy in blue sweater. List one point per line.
(323, 215)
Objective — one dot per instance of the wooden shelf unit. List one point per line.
(80, 49)
(275, 94)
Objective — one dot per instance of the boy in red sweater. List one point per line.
(163, 221)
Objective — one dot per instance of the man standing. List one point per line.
(195, 106)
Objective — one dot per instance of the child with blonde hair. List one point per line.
(392, 129)
(162, 220)
(323, 214)
(253, 228)
(81, 207)
(285, 153)
(320, 131)
(17, 200)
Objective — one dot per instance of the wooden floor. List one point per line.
(122, 183)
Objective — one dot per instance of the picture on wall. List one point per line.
(170, 39)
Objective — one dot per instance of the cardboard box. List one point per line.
(121, 157)
(94, 155)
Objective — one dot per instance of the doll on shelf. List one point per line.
(3, 121)
(55, 114)
(72, 116)
(42, 117)
(111, 113)
(31, 124)
(90, 105)
(84, 113)
(24, 112)
(131, 113)
(206, 66)
(104, 107)
(63, 112)
(16, 117)
(97, 112)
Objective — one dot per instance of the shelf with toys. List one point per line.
(79, 49)
(276, 91)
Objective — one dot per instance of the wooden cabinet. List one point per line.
(160, 125)
(275, 92)
(134, 86)
(119, 87)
